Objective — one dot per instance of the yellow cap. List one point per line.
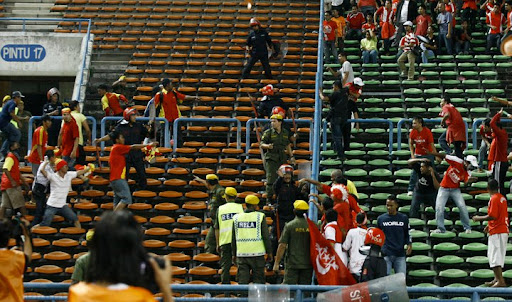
(277, 117)
(66, 110)
(230, 191)
(211, 177)
(300, 205)
(6, 98)
(89, 234)
(121, 78)
(252, 199)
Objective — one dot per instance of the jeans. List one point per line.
(70, 161)
(414, 176)
(369, 56)
(330, 50)
(493, 40)
(386, 44)
(121, 191)
(417, 199)
(427, 54)
(442, 197)
(458, 145)
(368, 10)
(12, 135)
(65, 211)
(399, 32)
(35, 168)
(482, 154)
(338, 135)
(469, 15)
(39, 194)
(447, 42)
(411, 58)
(462, 47)
(396, 263)
(354, 34)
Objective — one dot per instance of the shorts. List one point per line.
(497, 249)
(121, 191)
(12, 198)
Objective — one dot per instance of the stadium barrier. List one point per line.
(146, 119)
(477, 123)
(430, 120)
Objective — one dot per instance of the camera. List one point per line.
(17, 230)
(148, 274)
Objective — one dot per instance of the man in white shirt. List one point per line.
(346, 72)
(60, 185)
(333, 234)
(354, 241)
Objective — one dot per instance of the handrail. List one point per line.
(476, 123)
(433, 120)
(80, 20)
(167, 137)
(34, 118)
(263, 120)
(368, 121)
(207, 120)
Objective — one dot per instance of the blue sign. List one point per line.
(23, 53)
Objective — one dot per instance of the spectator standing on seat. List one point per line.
(69, 138)
(369, 47)
(426, 185)
(375, 265)
(463, 39)
(407, 43)
(112, 103)
(83, 128)
(495, 21)
(13, 263)
(355, 20)
(8, 113)
(498, 151)
(12, 196)
(333, 233)
(421, 141)
(341, 28)
(469, 11)
(367, 7)
(269, 101)
(330, 38)
(337, 117)
(423, 21)
(487, 6)
(346, 73)
(407, 10)
(455, 128)
(119, 265)
(134, 133)
(24, 116)
(40, 186)
(276, 142)
(395, 226)
(450, 188)
(353, 242)
(224, 231)
(251, 242)
(486, 136)
(53, 108)
(508, 13)
(295, 243)
(498, 229)
(428, 45)
(286, 193)
(39, 143)
(444, 22)
(257, 43)
(60, 185)
(386, 16)
(215, 200)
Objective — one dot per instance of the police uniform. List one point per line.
(215, 200)
(224, 225)
(276, 156)
(250, 242)
(297, 268)
(258, 41)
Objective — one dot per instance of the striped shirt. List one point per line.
(496, 20)
(408, 42)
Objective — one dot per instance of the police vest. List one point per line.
(249, 241)
(225, 219)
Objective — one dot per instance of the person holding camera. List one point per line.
(119, 268)
(13, 262)
(12, 196)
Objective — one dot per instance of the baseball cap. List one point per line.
(408, 23)
(230, 191)
(17, 94)
(358, 81)
(472, 160)
(211, 177)
(252, 199)
(300, 205)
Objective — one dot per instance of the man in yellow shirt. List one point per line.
(369, 47)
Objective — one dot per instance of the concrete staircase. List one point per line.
(29, 9)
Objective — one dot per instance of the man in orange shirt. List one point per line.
(341, 29)
(13, 262)
(497, 228)
(110, 101)
(39, 141)
(10, 185)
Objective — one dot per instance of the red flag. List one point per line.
(328, 266)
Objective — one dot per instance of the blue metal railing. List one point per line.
(116, 118)
(431, 120)
(206, 120)
(88, 34)
(259, 120)
(474, 293)
(58, 118)
(476, 123)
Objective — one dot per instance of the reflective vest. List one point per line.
(225, 219)
(249, 241)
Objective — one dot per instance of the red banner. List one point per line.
(328, 266)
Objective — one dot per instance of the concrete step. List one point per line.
(29, 1)
(24, 5)
(16, 27)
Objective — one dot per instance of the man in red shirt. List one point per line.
(39, 142)
(369, 25)
(385, 18)
(12, 196)
(497, 228)
(495, 21)
(421, 141)
(330, 38)
(355, 22)
(68, 138)
(423, 21)
(469, 10)
(498, 151)
(117, 163)
(486, 135)
(450, 188)
(110, 101)
(455, 128)
(508, 12)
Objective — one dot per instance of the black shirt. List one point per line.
(352, 108)
(287, 194)
(133, 134)
(259, 40)
(339, 105)
(53, 131)
(425, 184)
(268, 103)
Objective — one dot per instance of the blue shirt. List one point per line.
(444, 20)
(396, 229)
(5, 115)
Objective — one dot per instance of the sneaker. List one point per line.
(436, 231)
(409, 193)
(467, 231)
